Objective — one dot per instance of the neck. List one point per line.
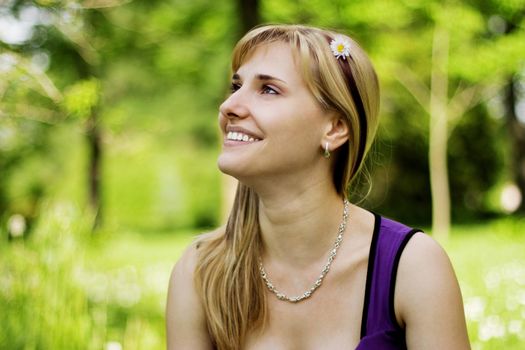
(298, 227)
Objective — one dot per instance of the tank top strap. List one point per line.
(388, 241)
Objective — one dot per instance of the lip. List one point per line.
(234, 143)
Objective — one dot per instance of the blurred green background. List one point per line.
(108, 144)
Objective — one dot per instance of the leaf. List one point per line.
(81, 98)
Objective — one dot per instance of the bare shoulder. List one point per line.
(210, 235)
(428, 300)
(185, 319)
(185, 266)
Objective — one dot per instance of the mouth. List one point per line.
(240, 137)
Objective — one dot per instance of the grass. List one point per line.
(62, 289)
(489, 259)
(128, 273)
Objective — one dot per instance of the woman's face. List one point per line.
(271, 123)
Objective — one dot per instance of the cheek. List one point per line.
(305, 125)
(297, 138)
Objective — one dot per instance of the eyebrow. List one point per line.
(264, 77)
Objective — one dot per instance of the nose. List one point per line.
(235, 106)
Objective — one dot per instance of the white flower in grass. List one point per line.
(113, 345)
(474, 308)
(340, 47)
(16, 225)
(491, 327)
(515, 327)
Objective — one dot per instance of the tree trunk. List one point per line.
(249, 14)
(516, 129)
(438, 136)
(95, 148)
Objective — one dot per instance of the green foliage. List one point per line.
(82, 97)
(470, 182)
(24, 172)
(157, 68)
(169, 189)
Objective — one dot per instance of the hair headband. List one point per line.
(340, 47)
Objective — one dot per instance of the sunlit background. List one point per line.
(108, 145)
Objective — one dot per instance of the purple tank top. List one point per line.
(379, 327)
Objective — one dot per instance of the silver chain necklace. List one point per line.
(326, 268)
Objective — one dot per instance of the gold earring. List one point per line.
(326, 151)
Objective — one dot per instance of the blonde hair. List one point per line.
(227, 275)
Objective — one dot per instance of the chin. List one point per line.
(233, 167)
(229, 166)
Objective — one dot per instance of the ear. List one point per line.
(336, 133)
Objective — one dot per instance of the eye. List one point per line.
(234, 87)
(268, 90)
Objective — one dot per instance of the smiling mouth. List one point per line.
(239, 136)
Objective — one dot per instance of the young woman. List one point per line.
(297, 266)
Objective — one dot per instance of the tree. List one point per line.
(70, 43)
(249, 14)
(516, 131)
(446, 111)
(435, 101)
(140, 68)
(516, 128)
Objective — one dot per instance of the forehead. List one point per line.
(276, 59)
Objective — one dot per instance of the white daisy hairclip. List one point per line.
(340, 47)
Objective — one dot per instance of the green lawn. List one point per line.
(490, 264)
(109, 292)
(131, 273)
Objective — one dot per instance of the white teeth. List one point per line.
(239, 136)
